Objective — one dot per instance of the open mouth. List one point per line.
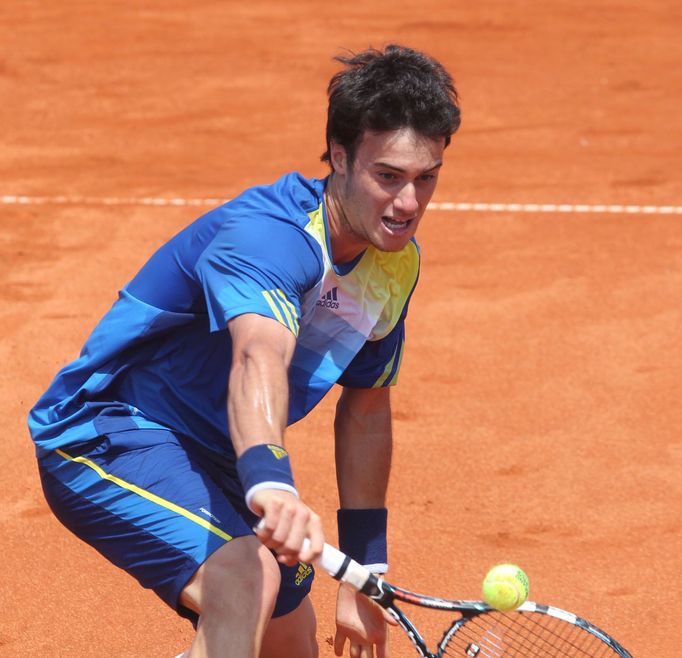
(396, 226)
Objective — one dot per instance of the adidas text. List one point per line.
(329, 299)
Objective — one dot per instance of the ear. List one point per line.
(339, 158)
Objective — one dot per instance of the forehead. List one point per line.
(403, 149)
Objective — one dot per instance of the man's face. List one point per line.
(384, 192)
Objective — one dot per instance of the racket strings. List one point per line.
(528, 635)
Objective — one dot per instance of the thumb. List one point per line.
(389, 618)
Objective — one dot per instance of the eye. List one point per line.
(427, 177)
(387, 176)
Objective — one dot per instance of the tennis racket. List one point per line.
(478, 631)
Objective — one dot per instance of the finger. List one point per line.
(291, 532)
(268, 523)
(339, 641)
(288, 560)
(366, 651)
(273, 527)
(315, 534)
(298, 529)
(384, 648)
(281, 532)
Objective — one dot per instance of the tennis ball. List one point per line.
(505, 587)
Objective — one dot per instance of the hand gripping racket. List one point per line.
(478, 631)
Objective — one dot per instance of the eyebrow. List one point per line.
(385, 165)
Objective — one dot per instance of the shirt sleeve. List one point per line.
(258, 264)
(378, 362)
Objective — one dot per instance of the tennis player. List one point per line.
(162, 445)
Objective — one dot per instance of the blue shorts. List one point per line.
(156, 505)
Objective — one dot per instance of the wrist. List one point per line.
(264, 466)
(362, 536)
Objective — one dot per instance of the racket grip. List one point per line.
(338, 565)
(341, 567)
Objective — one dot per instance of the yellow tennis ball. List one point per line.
(505, 587)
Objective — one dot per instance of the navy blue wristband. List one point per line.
(265, 466)
(362, 536)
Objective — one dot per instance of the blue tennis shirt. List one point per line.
(160, 358)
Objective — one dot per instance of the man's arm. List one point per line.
(258, 407)
(363, 442)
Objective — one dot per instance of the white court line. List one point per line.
(572, 208)
(615, 209)
(105, 201)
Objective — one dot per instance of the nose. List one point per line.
(406, 201)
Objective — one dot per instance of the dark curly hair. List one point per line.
(387, 90)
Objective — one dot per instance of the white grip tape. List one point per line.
(332, 560)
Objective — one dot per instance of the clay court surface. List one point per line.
(538, 414)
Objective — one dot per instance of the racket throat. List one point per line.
(381, 592)
(375, 590)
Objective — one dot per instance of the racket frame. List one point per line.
(346, 570)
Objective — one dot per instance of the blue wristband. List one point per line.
(265, 466)
(362, 536)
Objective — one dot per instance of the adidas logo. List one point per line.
(277, 451)
(303, 571)
(329, 299)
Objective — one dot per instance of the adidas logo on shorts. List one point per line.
(304, 570)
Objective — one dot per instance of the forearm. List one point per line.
(363, 463)
(257, 400)
(258, 394)
(363, 442)
(258, 407)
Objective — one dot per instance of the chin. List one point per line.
(393, 244)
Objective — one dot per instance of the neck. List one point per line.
(345, 244)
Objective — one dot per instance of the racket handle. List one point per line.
(339, 566)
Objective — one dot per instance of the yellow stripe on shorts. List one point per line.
(147, 494)
(382, 381)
